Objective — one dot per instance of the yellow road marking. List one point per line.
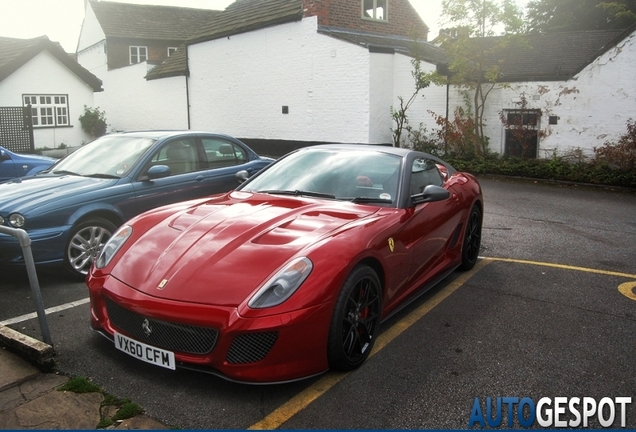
(299, 402)
(627, 289)
(566, 267)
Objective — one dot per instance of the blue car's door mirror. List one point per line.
(158, 171)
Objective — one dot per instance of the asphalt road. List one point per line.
(542, 316)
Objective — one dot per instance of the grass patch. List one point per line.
(125, 407)
(126, 411)
(80, 385)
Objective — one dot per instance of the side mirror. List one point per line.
(242, 176)
(158, 171)
(3, 155)
(431, 193)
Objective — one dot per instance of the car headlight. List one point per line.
(284, 283)
(113, 245)
(16, 220)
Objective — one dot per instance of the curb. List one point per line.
(557, 182)
(36, 352)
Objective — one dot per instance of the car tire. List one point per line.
(472, 239)
(85, 243)
(356, 320)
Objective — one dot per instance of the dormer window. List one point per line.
(138, 54)
(375, 10)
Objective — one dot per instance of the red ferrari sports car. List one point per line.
(292, 273)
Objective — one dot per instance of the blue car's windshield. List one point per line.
(106, 157)
(356, 175)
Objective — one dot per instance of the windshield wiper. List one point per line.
(364, 200)
(64, 172)
(299, 193)
(104, 176)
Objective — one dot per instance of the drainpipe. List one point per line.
(187, 83)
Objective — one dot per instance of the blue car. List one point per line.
(14, 165)
(72, 209)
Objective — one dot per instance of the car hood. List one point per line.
(220, 251)
(42, 191)
(33, 159)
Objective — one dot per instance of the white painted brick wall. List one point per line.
(239, 84)
(91, 32)
(432, 98)
(130, 102)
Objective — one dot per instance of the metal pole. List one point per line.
(25, 243)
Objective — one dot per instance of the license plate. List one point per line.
(145, 352)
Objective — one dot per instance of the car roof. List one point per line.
(157, 134)
(398, 151)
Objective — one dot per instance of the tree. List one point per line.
(475, 57)
(422, 81)
(577, 15)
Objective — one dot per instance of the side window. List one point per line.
(221, 153)
(424, 173)
(375, 10)
(179, 155)
(137, 54)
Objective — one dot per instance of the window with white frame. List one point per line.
(171, 50)
(375, 9)
(48, 110)
(138, 54)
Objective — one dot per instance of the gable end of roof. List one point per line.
(15, 53)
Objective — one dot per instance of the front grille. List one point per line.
(162, 334)
(251, 347)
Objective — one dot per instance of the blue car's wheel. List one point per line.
(356, 319)
(85, 243)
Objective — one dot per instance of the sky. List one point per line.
(61, 20)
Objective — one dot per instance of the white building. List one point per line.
(39, 73)
(281, 74)
(579, 86)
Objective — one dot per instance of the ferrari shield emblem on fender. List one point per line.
(391, 244)
(162, 284)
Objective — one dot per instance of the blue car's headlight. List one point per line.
(16, 220)
(113, 245)
(284, 283)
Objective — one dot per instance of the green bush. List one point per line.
(622, 154)
(548, 169)
(93, 122)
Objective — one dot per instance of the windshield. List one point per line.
(354, 175)
(109, 156)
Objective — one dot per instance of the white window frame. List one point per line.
(171, 50)
(373, 15)
(137, 54)
(48, 110)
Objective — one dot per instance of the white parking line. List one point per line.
(47, 311)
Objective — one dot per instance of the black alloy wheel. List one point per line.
(472, 239)
(356, 320)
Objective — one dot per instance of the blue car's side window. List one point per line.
(221, 153)
(179, 155)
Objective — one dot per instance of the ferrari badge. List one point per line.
(391, 244)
